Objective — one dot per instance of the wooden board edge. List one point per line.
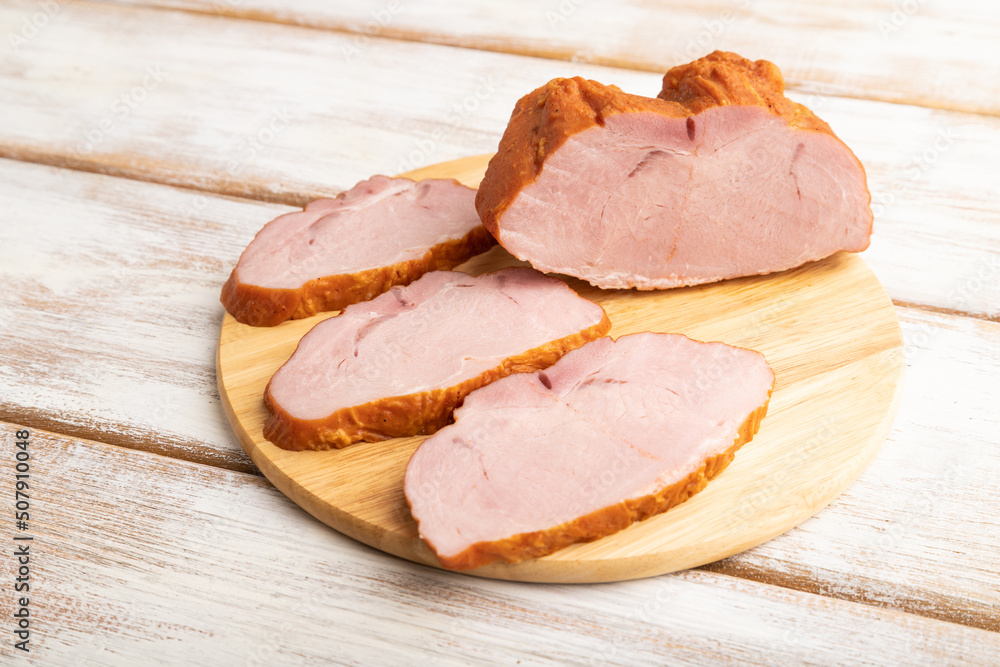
(547, 570)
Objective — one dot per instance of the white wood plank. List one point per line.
(283, 114)
(916, 52)
(936, 238)
(167, 562)
(110, 309)
(108, 329)
(65, 363)
(248, 108)
(920, 527)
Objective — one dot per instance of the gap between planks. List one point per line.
(945, 311)
(171, 138)
(948, 614)
(130, 438)
(323, 24)
(64, 161)
(126, 169)
(939, 609)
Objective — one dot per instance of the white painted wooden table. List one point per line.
(143, 143)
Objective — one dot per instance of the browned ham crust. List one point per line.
(606, 521)
(444, 335)
(381, 233)
(267, 307)
(596, 138)
(612, 433)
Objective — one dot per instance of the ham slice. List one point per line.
(721, 176)
(335, 252)
(613, 433)
(399, 364)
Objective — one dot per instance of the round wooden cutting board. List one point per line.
(828, 329)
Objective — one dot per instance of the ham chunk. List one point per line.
(720, 176)
(399, 364)
(613, 433)
(335, 252)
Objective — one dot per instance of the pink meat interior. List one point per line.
(443, 329)
(656, 202)
(608, 422)
(380, 222)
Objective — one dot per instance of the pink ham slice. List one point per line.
(613, 433)
(399, 364)
(721, 176)
(335, 252)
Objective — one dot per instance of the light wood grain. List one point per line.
(128, 577)
(824, 367)
(919, 529)
(941, 55)
(168, 562)
(282, 114)
(210, 128)
(110, 305)
(80, 369)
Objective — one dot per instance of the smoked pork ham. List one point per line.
(613, 433)
(335, 252)
(399, 364)
(721, 176)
